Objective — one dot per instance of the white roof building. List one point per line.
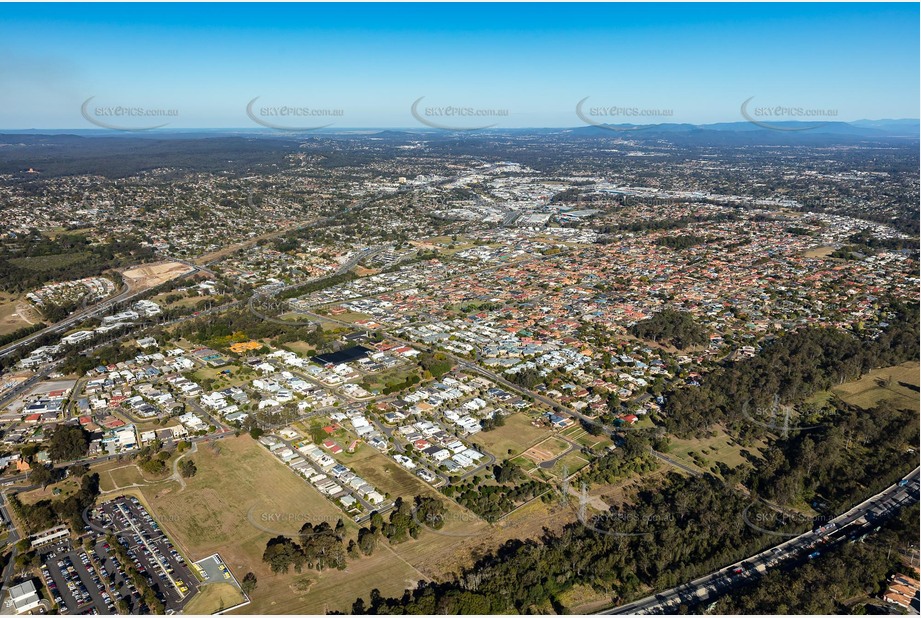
(24, 597)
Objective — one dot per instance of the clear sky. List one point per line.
(372, 61)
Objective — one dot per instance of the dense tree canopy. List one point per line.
(745, 395)
(68, 442)
(675, 328)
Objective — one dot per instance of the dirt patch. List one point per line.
(152, 275)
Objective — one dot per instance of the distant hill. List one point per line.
(117, 154)
(861, 128)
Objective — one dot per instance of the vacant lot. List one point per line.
(892, 383)
(379, 381)
(240, 492)
(42, 263)
(16, 313)
(222, 377)
(717, 448)
(129, 474)
(624, 492)
(546, 450)
(214, 598)
(301, 348)
(68, 486)
(568, 464)
(516, 436)
(582, 437)
(241, 497)
(313, 592)
(819, 252)
(151, 275)
(185, 301)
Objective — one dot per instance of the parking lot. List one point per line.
(74, 581)
(148, 551)
(213, 570)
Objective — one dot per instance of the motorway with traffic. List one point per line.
(850, 525)
(75, 318)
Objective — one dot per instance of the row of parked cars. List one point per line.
(119, 576)
(75, 585)
(90, 566)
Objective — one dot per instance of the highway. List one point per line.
(96, 310)
(342, 269)
(66, 323)
(848, 525)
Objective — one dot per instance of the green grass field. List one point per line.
(122, 477)
(582, 437)
(68, 486)
(887, 383)
(378, 381)
(301, 348)
(517, 435)
(719, 447)
(236, 377)
(568, 464)
(41, 263)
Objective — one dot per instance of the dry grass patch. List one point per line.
(819, 252)
(213, 598)
(12, 309)
(152, 275)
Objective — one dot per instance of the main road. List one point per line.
(848, 525)
(75, 318)
(126, 294)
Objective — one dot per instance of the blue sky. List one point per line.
(372, 61)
